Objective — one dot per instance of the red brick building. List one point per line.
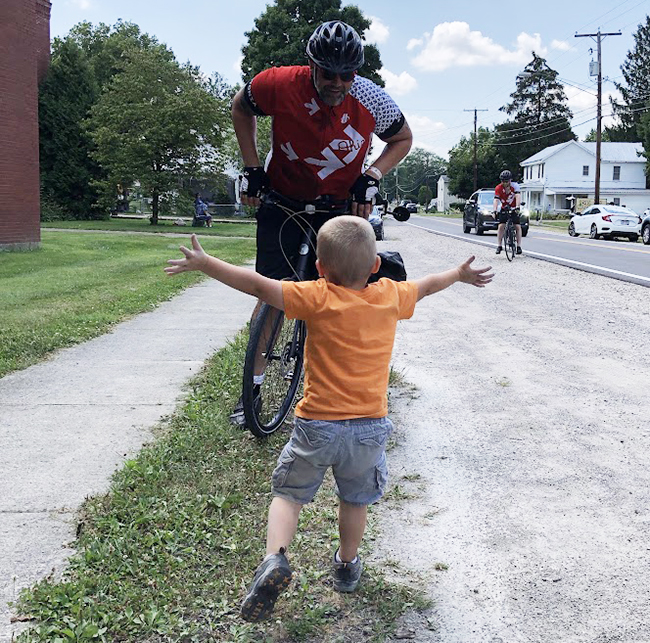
(24, 56)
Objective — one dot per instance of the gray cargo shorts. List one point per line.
(355, 449)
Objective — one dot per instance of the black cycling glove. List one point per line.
(253, 181)
(364, 189)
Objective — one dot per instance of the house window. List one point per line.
(543, 164)
(585, 170)
(617, 173)
(539, 171)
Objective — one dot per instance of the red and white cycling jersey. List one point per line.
(318, 149)
(507, 195)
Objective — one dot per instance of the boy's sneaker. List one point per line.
(346, 575)
(519, 250)
(237, 416)
(499, 249)
(271, 579)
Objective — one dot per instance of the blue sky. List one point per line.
(438, 60)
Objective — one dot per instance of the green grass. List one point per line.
(167, 554)
(243, 229)
(77, 285)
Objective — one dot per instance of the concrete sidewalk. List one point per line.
(67, 424)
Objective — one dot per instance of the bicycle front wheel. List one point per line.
(275, 347)
(511, 241)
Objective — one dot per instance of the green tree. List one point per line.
(157, 123)
(540, 115)
(106, 47)
(461, 163)
(634, 90)
(65, 98)
(605, 136)
(419, 169)
(425, 195)
(281, 33)
(83, 64)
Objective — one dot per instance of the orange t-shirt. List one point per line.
(350, 336)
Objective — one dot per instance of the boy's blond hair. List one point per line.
(346, 249)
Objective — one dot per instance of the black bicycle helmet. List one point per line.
(336, 47)
(506, 175)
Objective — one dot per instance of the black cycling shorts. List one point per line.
(275, 240)
(503, 217)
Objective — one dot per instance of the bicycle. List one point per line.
(510, 233)
(276, 344)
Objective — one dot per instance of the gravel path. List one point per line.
(523, 453)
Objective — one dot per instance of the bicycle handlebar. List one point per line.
(324, 205)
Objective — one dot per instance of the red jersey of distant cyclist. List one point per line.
(507, 195)
(318, 149)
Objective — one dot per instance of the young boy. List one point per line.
(341, 422)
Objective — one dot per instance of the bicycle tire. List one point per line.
(283, 353)
(511, 240)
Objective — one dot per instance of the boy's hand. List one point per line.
(195, 259)
(476, 277)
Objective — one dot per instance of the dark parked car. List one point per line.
(645, 227)
(409, 205)
(479, 214)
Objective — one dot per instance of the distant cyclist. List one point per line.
(507, 193)
(324, 116)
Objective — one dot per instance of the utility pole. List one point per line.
(475, 146)
(599, 114)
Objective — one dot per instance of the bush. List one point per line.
(52, 211)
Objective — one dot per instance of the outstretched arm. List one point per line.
(465, 273)
(268, 290)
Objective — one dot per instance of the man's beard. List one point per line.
(332, 99)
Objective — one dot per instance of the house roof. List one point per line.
(609, 152)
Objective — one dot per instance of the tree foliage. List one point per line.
(281, 33)
(540, 115)
(82, 65)
(634, 90)
(461, 163)
(65, 98)
(419, 169)
(157, 123)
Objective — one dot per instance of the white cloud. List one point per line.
(237, 66)
(398, 85)
(452, 44)
(584, 107)
(81, 4)
(377, 33)
(429, 134)
(562, 45)
(414, 42)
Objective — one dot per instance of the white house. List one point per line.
(444, 199)
(562, 174)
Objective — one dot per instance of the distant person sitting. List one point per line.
(201, 215)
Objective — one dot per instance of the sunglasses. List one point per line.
(346, 76)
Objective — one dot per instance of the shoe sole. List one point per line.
(260, 602)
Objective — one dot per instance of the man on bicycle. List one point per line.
(324, 116)
(507, 194)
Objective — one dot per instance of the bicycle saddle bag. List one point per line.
(392, 267)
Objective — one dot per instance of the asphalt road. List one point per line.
(621, 260)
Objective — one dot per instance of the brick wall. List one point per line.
(24, 53)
